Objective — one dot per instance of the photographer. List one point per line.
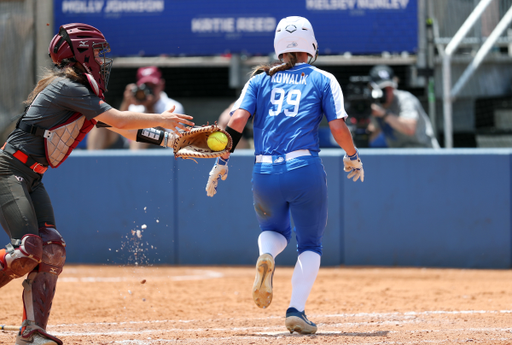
(400, 117)
(148, 96)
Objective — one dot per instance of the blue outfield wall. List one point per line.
(443, 208)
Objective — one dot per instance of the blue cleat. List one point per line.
(296, 321)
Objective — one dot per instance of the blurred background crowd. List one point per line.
(196, 56)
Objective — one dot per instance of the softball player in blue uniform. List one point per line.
(287, 101)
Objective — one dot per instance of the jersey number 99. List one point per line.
(277, 98)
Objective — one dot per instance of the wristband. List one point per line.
(150, 136)
(235, 136)
(354, 156)
(222, 161)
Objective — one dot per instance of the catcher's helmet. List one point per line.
(295, 34)
(86, 45)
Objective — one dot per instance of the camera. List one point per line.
(359, 97)
(141, 92)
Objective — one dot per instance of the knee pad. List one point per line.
(54, 251)
(20, 257)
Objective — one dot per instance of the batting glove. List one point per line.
(219, 170)
(354, 166)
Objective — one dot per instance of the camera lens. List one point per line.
(141, 92)
(139, 95)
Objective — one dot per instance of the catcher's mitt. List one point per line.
(193, 144)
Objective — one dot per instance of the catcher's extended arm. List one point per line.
(193, 144)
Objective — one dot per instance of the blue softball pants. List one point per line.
(296, 188)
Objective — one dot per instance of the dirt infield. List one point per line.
(213, 305)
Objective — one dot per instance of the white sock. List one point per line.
(271, 242)
(304, 275)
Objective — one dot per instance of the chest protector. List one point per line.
(60, 140)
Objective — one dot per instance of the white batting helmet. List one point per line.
(295, 34)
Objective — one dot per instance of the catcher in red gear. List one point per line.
(65, 104)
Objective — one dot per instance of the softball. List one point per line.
(217, 141)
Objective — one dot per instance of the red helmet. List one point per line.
(86, 45)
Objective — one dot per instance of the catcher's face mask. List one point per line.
(105, 63)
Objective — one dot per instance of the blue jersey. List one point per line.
(289, 106)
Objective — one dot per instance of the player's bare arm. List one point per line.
(237, 122)
(239, 119)
(132, 120)
(352, 162)
(341, 134)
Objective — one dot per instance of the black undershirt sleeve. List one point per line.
(235, 135)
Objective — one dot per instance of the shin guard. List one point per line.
(20, 257)
(39, 287)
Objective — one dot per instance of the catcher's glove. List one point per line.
(193, 144)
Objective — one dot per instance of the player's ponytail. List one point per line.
(271, 69)
(70, 72)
